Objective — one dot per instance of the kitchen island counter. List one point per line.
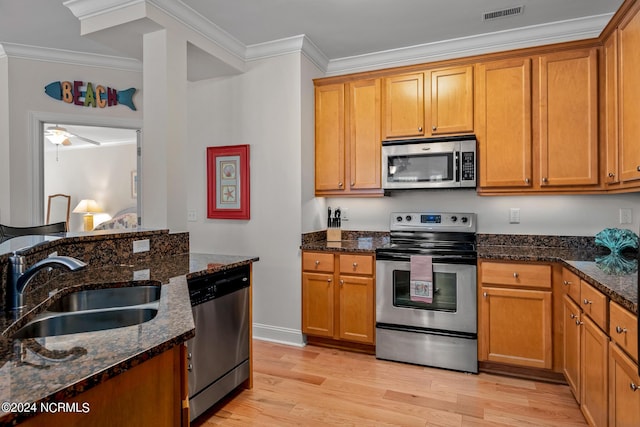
(56, 368)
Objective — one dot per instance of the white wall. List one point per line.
(26, 82)
(5, 161)
(261, 107)
(574, 215)
(100, 173)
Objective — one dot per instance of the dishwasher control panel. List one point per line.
(216, 285)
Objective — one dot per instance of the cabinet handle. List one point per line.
(572, 316)
(633, 387)
(566, 282)
(436, 127)
(587, 302)
(190, 367)
(328, 280)
(621, 330)
(189, 356)
(353, 183)
(515, 275)
(527, 180)
(355, 265)
(578, 322)
(420, 129)
(340, 184)
(611, 174)
(638, 168)
(317, 263)
(545, 180)
(484, 294)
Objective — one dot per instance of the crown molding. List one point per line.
(296, 44)
(536, 35)
(70, 57)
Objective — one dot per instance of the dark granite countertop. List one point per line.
(622, 289)
(352, 241)
(59, 367)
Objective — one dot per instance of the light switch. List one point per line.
(514, 216)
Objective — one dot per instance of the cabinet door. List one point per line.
(624, 396)
(629, 92)
(571, 345)
(357, 308)
(329, 149)
(317, 304)
(594, 355)
(404, 105)
(450, 104)
(516, 327)
(612, 174)
(503, 124)
(364, 135)
(568, 118)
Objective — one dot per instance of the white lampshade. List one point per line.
(57, 134)
(87, 206)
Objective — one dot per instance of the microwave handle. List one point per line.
(457, 166)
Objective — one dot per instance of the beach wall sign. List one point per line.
(88, 95)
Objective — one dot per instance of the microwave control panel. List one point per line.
(468, 166)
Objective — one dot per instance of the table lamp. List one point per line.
(88, 207)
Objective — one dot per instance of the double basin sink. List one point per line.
(95, 310)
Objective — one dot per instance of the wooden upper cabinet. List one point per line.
(329, 147)
(629, 93)
(450, 100)
(568, 118)
(364, 135)
(348, 139)
(612, 171)
(403, 102)
(503, 123)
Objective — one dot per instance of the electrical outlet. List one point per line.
(514, 216)
(192, 215)
(142, 274)
(140, 246)
(626, 216)
(344, 214)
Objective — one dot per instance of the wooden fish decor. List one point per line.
(86, 95)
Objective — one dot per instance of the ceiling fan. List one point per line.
(58, 135)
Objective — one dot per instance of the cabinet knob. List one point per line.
(434, 128)
(633, 387)
(484, 294)
(515, 275)
(353, 183)
(621, 330)
(638, 168)
(355, 265)
(317, 263)
(545, 180)
(189, 356)
(420, 129)
(527, 180)
(328, 280)
(341, 282)
(578, 322)
(572, 316)
(566, 282)
(587, 302)
(340, 184)
(189, 367)
(611, 174)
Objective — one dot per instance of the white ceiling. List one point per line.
(338, 28)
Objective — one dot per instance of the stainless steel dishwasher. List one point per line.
(219, 353)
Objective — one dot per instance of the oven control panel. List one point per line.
(444, 221)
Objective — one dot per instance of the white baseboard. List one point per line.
(278, 335)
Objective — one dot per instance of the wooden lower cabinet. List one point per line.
(624, 396)
(594, 357)
(515, 314)
(151, 393)
(571, 344)
(339, 305)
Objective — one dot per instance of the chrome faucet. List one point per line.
(20, 276)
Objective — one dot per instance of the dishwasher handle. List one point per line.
(217, 285)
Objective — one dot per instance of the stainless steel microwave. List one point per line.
(429, 163)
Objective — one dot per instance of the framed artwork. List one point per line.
(228, 182)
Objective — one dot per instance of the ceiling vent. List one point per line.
(503, 13)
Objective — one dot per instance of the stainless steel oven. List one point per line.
(442, 330)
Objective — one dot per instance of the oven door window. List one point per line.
(421, 168)
(444, 292)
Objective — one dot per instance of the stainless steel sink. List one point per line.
(92, 299)
(50, 324)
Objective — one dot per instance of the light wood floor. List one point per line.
(315, 386)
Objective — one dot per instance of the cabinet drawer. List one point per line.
(623, 329)
(594, 304)
(571, 284)
(317, 261)
(515, 274)
(356, 264)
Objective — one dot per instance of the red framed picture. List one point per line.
(228, 182)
